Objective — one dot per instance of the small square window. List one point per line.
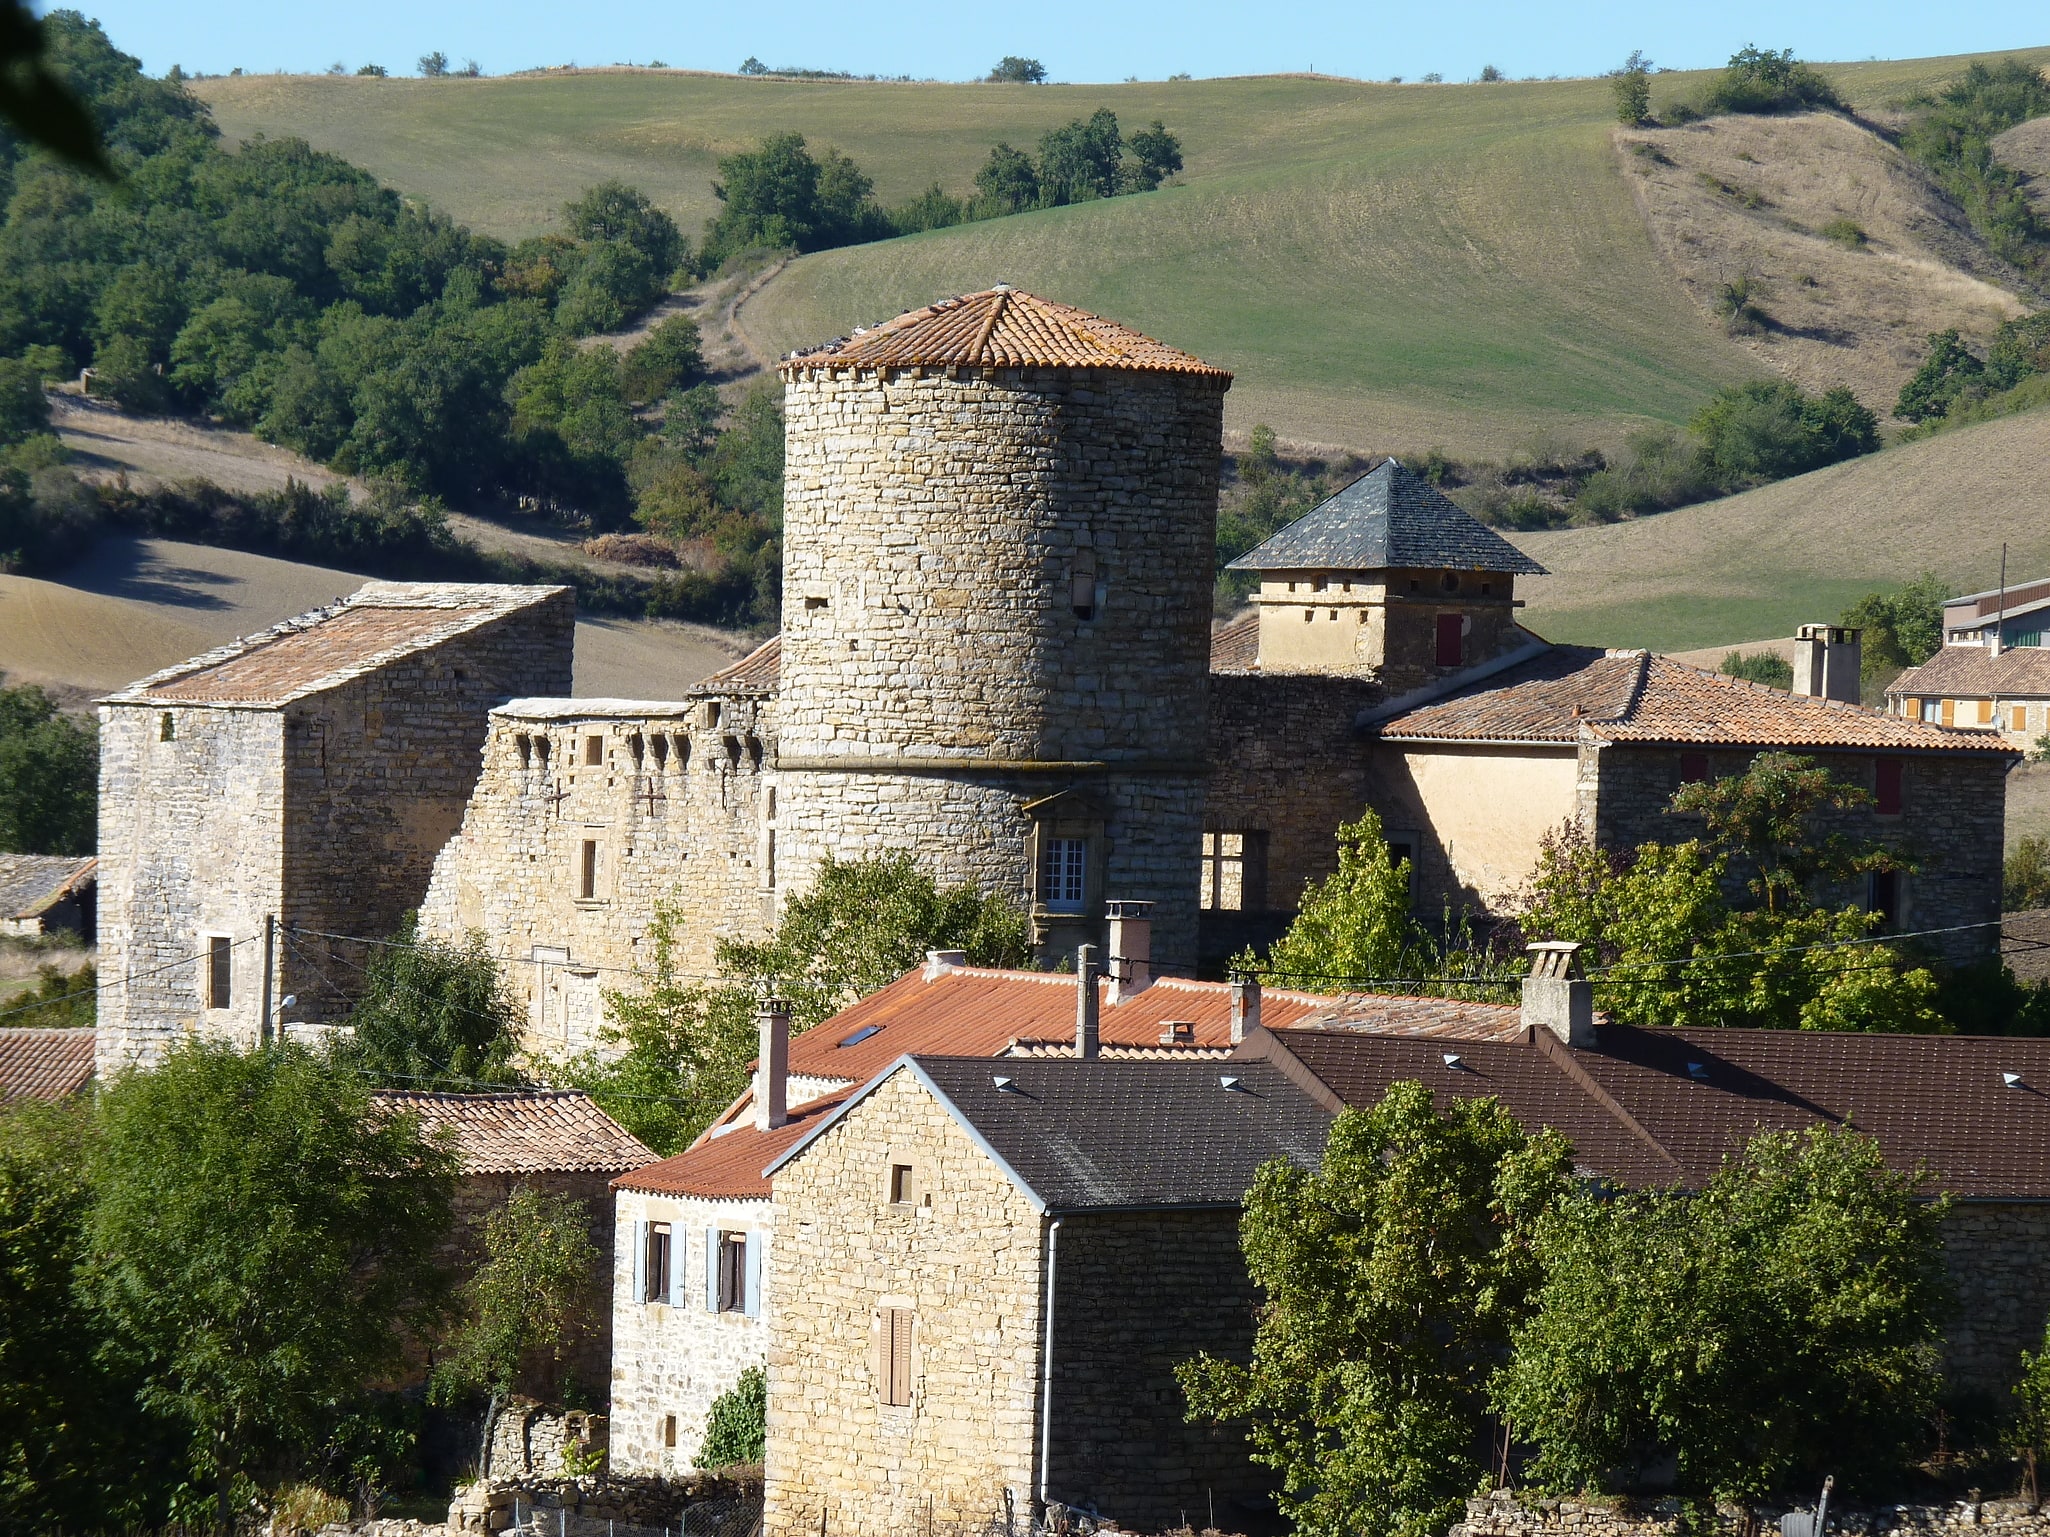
(903, 1185)
(594, 751)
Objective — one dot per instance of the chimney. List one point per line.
(1131, 949)
(1245, 1007)
(939, 962)
(1827, 661)
(1085, 1000)
(1555, 996)
(772, 1067)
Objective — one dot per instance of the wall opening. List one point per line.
(1082, 585)
(1888, 782)
(587, 873)
(732, 1272)
(167, 728)
(1234, 872)
(903, 1185)
(1451, 650)
(594, 751)
(893, 1373)
(669, 1431)
(656, 1267)
(220, 990)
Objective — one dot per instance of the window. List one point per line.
(1234, 872)
(1883, 896)
(1912, 709)
(893, 1355)
(1886, 786)
(1451, 640)
(525, 744)
(1693, 767)
(594, 750)
(1062, 872)
(655, 1274)
(903, 1185)
(167, 728)
(814, 605)
(1985, 712)
(669, 1431)
(587, 876)
(1449, 581)
(1082, 585)
(769, 857)
(729, 1257)
(219, 982)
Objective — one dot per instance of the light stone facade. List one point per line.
(672, 1358)
(1383, 624)
(286, 778)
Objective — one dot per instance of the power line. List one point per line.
(122, 981)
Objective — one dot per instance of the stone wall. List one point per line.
(531, 1440)
(488, 1504)
(1473, 817)
(1005, 568)
(967, 1266)
(676, 1360)
(1383, 624)
(1952, 825)
(682, 808)
(1998, 1254)
(1508, 1515)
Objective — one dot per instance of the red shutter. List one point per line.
(1451, 640)
(1887, 786)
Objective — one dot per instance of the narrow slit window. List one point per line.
(1063, 874)
(769, 858)
(1887, 785)
(220, 990)
(1082, 585)
(587, 874)
(669, 1431)
(167, 727)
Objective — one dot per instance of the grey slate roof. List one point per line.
(1081, 1135)
(31, 884)
(1389, 518)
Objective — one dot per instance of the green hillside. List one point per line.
(1384, 267)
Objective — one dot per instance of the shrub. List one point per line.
(434, 65)
(1760, 667)
(1490, 74)
(1845, 233)
(667, 358)
(737, 1423)
(1737, 302)
(1950, 373)
(433, 1015)
(1632, 84)
(1769, 429)
(1757, 80)
(1951, 134)
(2025, 882)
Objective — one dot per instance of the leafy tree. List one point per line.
(2020, 350)
(1356, 924)
(2029, 1432)
(433, 1016)
(1757, 80)
(614, 211)
(59, 1000)
(1490, 74)
(1951, 133)
(753, 66)
(49, 776)
(525, 1305)
(1769, 429)
(36, 100)
(1632, 85)
(1008, 181)
(376, 71)
(262, 1240)
(778, 195)
(1781, 1323)
(1392, 1278)
(736, 1426)
(1158, 155)
(1951, 371)
(1013, 70)
(934, 208)
(434, 65)
(24, 408)
(2025, 882)
(1082, 160)
(1903, 627)
(667, 358)
(1768, 817)
(126, 374)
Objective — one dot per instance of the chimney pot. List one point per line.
(939, 962)
(772, 1066)
(1085, 1001)
(1245, 1007)
(1131, 949)
(1827, 661)
(1555, 996)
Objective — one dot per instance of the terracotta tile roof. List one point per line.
(31, 884)
(1973, 671)
(379, 623)
(755, 673)
(1445, 1019)
(729, 1167)
(1573, 692)
(1390, 517)
(1001, 327)
(1235, 647)
(45, 1064)
(528, 1131)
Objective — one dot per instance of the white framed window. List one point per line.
(1063, 874)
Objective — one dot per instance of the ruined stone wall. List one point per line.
(677, 1359)
(1135, 1295)
(967, 1265)
(1998, 1255)
(1952, 825)
(1006, 568)
(683, 807)
(191, 845)
(1506, 1514)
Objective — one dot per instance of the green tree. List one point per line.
(1950, 373)
(2025, 882)
(1082, 160)
(614, 211)
(778, 195)
(434, 66)
(667, 358)
(24, 408)
(49, 776)
(1008, 181)
(1012, 70)
(1765, 667)
(1355, 924)
(1391, 1280)
(433, 1016)
(1157, 155)
(525, 1306)
(1769, 429)
(36, 101)
(1632, 85)
(262, 1242)
(1780, 1324)
(1757, 80)
(1768, 816)
(1951, 134)
(737, 1424)
(2029, 1431)
(1903, 627)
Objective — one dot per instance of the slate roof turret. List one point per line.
(1390, 518)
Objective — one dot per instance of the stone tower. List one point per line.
(999, 519)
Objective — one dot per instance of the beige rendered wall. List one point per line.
(968, 1266)
(1475, 815)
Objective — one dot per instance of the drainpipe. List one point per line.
(1053, 1245)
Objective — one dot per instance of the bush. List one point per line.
(1845, 233)
(1760, 667)
(2025, 882)
(1757, 80)
(1951, 134)
(433, 1016)
(49, 776)
(1632, 84)
(737, 1423)
(1658, 469)
(1770, 428)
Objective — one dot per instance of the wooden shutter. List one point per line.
(1950, 712)
(679, 1264)
(751, 1298)
(640, 1242)
(900, 1356)
(711, 1270)
(2019, 720)
(1886, 786)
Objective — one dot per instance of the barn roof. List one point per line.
(526, 1131)
(44, 1064)
(31, 884)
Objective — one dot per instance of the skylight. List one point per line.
(861, 1035)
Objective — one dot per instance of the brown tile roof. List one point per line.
(45, 1064)
(1001, 327)
(1574, 692)
(30, 884)
(755, 673)
(729, 1167)
(1445, 1019)
(1974, 671)
(528, 1131)
(1235, 647)
(379, 623)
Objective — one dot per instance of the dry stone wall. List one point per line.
(1998, 1255)
(1506, 1514)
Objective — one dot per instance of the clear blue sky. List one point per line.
(1079, 40)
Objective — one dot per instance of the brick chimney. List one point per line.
(1827, 661)
(1555, 996)
(1245, 1007)
(1131, 949)
(1086, 974)
(772, 1066)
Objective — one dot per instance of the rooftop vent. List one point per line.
(1697, 1071)
(2013, 1080)
(1231, 1083)
(1454, 1061)
(1004, 1085)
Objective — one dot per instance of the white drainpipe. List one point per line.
(1053, 1244)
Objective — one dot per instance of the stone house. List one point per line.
(988, 1273)
(290, 787)
(46, 894)
(551, 1141)
(1992, 672)
(1659, 1107)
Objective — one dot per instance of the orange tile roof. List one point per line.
(528, 1131)
(1975, 671)
(756, 673)
(1235, 647)
(1001, 327)
(44, 1064)
(1575, 692)
(729, 1167)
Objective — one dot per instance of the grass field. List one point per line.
(1384, 267)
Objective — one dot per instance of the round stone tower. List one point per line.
(999, 527)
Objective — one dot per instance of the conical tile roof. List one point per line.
(1002, 327)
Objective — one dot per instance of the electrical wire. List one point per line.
(122, 981)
